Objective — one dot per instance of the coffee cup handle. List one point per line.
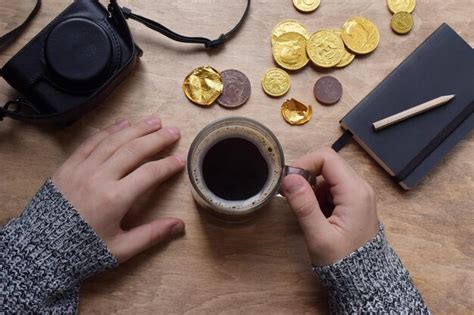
(310, 177)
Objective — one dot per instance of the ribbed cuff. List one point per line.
(49, 249)
(371, 279)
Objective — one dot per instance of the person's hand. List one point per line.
(106, 174)
(353, 221)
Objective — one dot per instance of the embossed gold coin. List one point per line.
(396, 6)
(276, 82)
(360, 35)
(306, 6)
(402, 22)
(289, 51)
(325, 48)
(288, 26)
(347, 58)
(203, 86)
(296, 113)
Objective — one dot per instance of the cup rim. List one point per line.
(237, 119)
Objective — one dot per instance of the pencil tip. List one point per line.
(447, 98)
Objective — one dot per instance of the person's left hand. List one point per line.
(106, 175)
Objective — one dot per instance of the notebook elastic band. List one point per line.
(342, 141)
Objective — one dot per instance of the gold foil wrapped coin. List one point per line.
(396, 6)
(288, 26)
(347, 58)
(289, 51)
(276, 82)
(203, 86)
(325, 48)
(306, 6)
(360, 35)
(402, 22)
(296, 113)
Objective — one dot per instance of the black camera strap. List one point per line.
(10, 36)
(14, 108)
(208, 43)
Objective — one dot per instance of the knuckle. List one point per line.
(154, 236)
(163, 167)
(164, 138)
(84, 149)
(304, 209)
(110, 197)
(153, 168)
(133, 148)
(327, 152)
(110, 144)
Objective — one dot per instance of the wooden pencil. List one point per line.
(414, 111)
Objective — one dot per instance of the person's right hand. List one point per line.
(353, 221)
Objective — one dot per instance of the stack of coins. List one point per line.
(289, 39)
(402, 20)
(293, 46)
(338, 48)
(205, 85)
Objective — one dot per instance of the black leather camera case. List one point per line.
(72, 64)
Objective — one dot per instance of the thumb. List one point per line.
(303, 201)
(138, 239)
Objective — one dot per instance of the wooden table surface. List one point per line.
(260, 267)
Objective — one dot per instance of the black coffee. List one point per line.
(234, 169)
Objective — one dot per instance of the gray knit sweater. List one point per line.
(49, 249)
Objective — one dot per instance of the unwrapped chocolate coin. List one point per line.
(203, 86)
(327, 90)
(296, 113)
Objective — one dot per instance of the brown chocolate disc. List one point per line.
(236, 89)
(328, 90)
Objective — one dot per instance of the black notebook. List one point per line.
(442, 65)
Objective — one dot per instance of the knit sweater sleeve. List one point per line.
(45, 253)
(371, 280)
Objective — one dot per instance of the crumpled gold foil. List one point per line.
(203, 86)
(296, 113)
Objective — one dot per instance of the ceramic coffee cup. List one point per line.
(236, 166)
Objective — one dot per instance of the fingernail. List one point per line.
(122, 123)
(292, 184)
(177, 229)
(174, 131)
(181, 158)
(153, 121)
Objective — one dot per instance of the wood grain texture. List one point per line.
(261, 267)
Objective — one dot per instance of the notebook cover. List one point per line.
(437, 155)
(442, 65)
